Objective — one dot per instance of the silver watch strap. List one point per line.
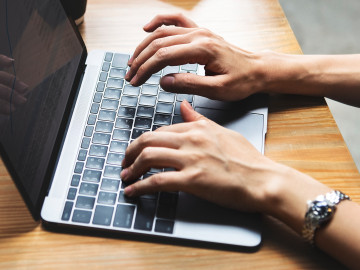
(312, 221)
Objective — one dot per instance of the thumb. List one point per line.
(189, 114)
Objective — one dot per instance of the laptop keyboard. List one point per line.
(119, 114)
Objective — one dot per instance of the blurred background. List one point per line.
(330, 27)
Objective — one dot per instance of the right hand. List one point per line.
(6, 86)
(231, 73)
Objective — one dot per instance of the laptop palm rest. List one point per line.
(209, 222)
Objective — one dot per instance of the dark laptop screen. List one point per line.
(46, 53)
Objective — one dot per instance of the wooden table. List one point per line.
(301, 133)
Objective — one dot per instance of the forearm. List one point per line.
(289, 192)
(333, 76)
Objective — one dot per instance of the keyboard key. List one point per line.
(148, 89)
(166, 211)
(98, 150)
(107, 115)
(118, 147)
(168, 198)
(91, 119)
(126, 199)
(92, 176)
(103, 77)
(147, 100)
(189, 67)
(137, 132)
(118, 73)
(164, 108)
(164, 226)
(71, 194)
(105, 66)
(145, 214)
(110, 104)
(177, 108)
(75, 180)
(103, 215)
(124, 123)
(106, 198)
(121, 135)
(85, 202)
(154, 79)
(131, 90)
(115, 83)
(152, 196)
(155, 127)
(170, 69)
(181, 97)
(100, 87)
(126, 112)
(166, 97)
(106, 127)
(112, 93)
(129, 101)
(108, 56)
(88, 189)
(143, 122)
(145, 111)
(112, 172)
(67, 211)
(97, 97)
(120, 60)
(124, 215)
(82, 155)
(110, 185)
(95, 108)
(79, 166)
(162, 119)
(115, 159)
(81, 216)
(101, 138)
(155, 170)
(177, 119)
(95, 163)
(89, 131)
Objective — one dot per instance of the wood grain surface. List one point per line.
(301, 133)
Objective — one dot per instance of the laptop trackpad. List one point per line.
(250, 125)
(202, 220)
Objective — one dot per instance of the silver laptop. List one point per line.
(63, 146)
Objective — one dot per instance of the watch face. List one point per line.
(321, 210)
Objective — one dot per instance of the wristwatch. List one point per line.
(320, 211)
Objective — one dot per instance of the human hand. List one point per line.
(211, 162)
(231, 73)
(6, 86)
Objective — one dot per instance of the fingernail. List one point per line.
(133, 80)
(187, 105)
(167, 81)
(23, 87)
(127, 76)
(128, 191)
(124, 173)
(130, 61)
(18, 99)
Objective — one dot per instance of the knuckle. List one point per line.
(141, 70)
(157, 43)
(145, 139)
(156, 180)
(162, 53)
(146, 154)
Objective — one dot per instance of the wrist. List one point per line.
(287, 193)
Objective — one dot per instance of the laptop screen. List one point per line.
(40, 54)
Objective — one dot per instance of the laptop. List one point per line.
(63, 146)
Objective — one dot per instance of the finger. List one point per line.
(153, 47)
(5, 61)
(5, 107)
(165, 181)
(169, 56)
(150, 139)
(188, 83)
(159, 33)
(8, 95)
(169, 19)
(153, 157)
(7, 79)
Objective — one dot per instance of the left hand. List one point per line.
(211, 162)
